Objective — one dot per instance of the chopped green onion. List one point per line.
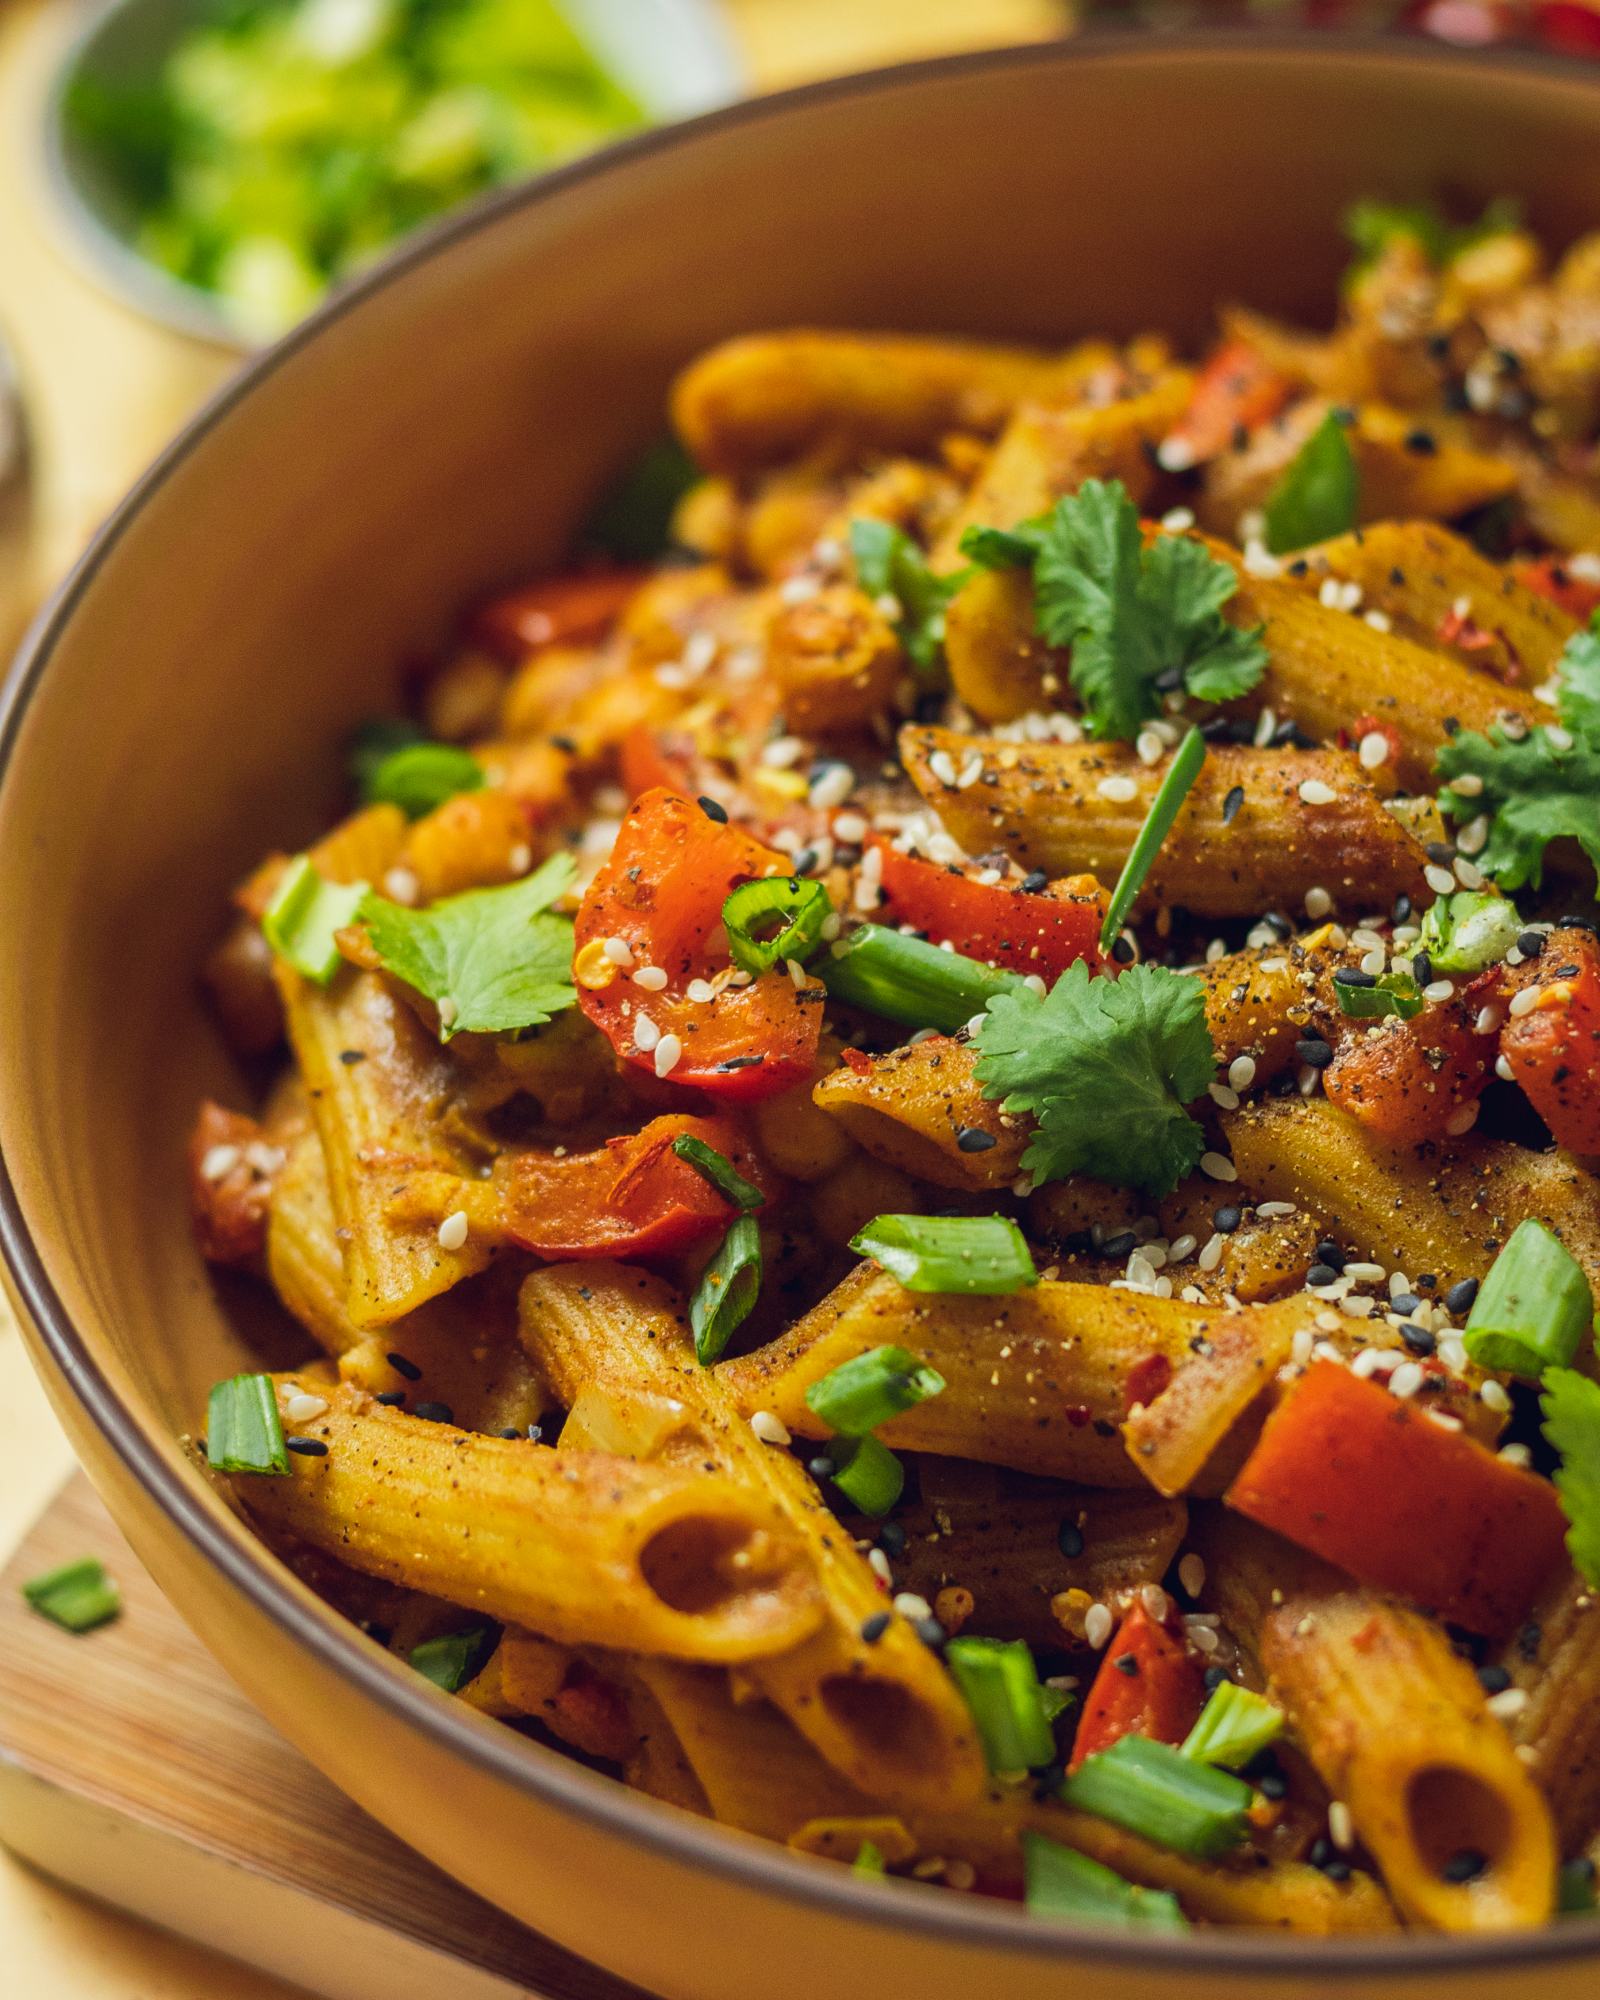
(1154, 1790)
(1575, 1888)
(1062, 1883)
(633, 521)
(727, 1290)
(1164, 809)
(243, 1430)
(1318, 496)
(1055, 1701)
(420, 776)
(867, 1473)
(869, 1859)
(78, 1596)
(1533, 1309)
(1469, 931)
(1234, 1726)
(1391, 993)
(305, 912)
(451, 1661)
(1000, 1683)
(376, 740)
(949, 1253)
(869, 1389)
(1002, 548)
(723, 1175)
(889, 564)
(778, 918)
(905, 979)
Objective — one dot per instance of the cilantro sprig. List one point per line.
(1534, 790)
(491, 960)
(1107, 1068)
(1139, 619)
(1572, 1424)
(889, 564)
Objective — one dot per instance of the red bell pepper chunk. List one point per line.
(651, 762)
(1409, 1080)
(573, 610)
(999, 923)
(1554, 1051)
(1149, 1684)
(1237, 389)
(1550, 577)
(662, 892)
(632, 1197)
(1371, 1483)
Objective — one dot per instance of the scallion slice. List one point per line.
(1151, 1789)
(243, 1429)
(949, 1253)
(869, 1859)
(1001, 1685)
(418, 777)
(1533, 1309)
(1469, 931)
(1234, 1726)
(728, 1288)
(777, 918)
(1164, 809)
(374, 740)
(1062, 1883)
(867, 1473)
(305, 912)
(78, 1596)
(905, 979)
(723, 1175)
(1390, 993)
(869, 1389)
(452, 1660)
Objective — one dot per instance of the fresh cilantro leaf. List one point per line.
(1107, 1068)
(1318, 495)
(1372, 226)
(1004, 548)
(1133, 615)
(1533, 791)
(418, 777)
(889, 564)
(375, 740)
(1571, 1405)
(492, 959)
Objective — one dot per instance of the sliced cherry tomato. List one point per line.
(557, 611)
(997, 922)
(632, 1197)
(1371, 1483)
(661, 892)
(1235, 390)
(1409, 1079)
(1149, 1684)
(1554, 1051)
(1550, 577)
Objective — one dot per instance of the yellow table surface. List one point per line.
(105, 388)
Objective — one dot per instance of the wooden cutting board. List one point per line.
(131, 1767)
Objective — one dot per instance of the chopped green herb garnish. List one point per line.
(1107, 1068)
(867, 1473)
(906, 979)
(1571, 1404)
(491, 960)
(949, 1253)
(1005, 548)
(633, 521)
(889, 564)
(1319, 495)
(1062, 1883)
(1001, 1685)
(304, 915)
(869, 1389)
(420, 776)
(1164, 809)
(451, 1661)
(1469, 931)
(1575, 1888)
(78, 1596)
(376, 740)
(243, 1430)
(1534, 1309)
(1390, 993)
(723, 1175)
(729, 1287)
(778, 918)
(1372, 226)
(1154, 1790)
(869, 1860)
(1234, 1726)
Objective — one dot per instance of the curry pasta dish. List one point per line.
(941, 1136)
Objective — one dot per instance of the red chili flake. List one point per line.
(857, 1060)
(1078, 1414)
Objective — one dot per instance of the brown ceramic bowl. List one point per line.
(433, 433)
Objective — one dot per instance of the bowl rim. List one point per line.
(613, 1808)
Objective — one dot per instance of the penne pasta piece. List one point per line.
(833, 660)
(1434, 1208)
(1259, 1261)
(378, 1084)
(910, 1108)
(764, 397)
(1398, 1729)
(579, 1548)
(1173, 1436)
(1258, 831)
(1040, 1381)
(305, 1260)
(879, 1709)
(1554, 1662)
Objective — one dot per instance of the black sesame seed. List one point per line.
(1493, 1679)
(1216, 728)
(1529, 1639)
(1462, 1297)
(1122, 951)
(822, 1468)
(1120, 1245)
(565, 743)
(1422, 442)
(931, 1633)
(1418, 1338)
(1213, 1678)
(1531, 944)
(1440, 851)
(1466, 1865)
(1352, 975)
(306, 1447)
(1034, 881)
(512, 1432)
(1421, 969)
(1314, 1052)
(1069, 1539)
(1404, 1302)
(1076, 1243)
(402, 1366)
(1126, 1663)
(1278, 923)
(1231, 805)
(973, 1139)
(435, 1413)
(392, 1399)
(873, 1628)
(1284, 735)
(1226, 1219)
(713, 810)
(1328, 1252)
(738, 1062)
(892, 1539)
(1272, 1785)
(1321, 1274)
(1402, 909)
(805, 861)
(349, 1057)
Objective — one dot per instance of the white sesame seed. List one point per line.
(1560, 739)
(910, 1605)
(1375, 960)
(651, 977)
(1218, 1167)
(772, 1429)
(1141, 1273)
(1259, 559)
(448, 1011)
(1175, 454)
(1242, 1072)
(1316, 793)
(1438, 989)
(1192, 1573)
(1503, 1070)
(796, 972)
(1493, 1397)
(646, 1035)
(990, 877)
(1508, 1704)
(1211, 1253)
(1204, 1638)
(1180, 1249)
(1374, 749)
(1365, 1274)
(1474, 835)
(1318, 902)
(1149, 746)
(1515, 1454)
(453, 1230)
(1300, 1347)
(1221, 1094)
(887, 605)
(1097, 1624)
(1274, 1211)
(300, 1407)
(668, 1051)
(1467, 786)
(942, 765)
(1462, 1120)
(796, 589)
(1523, 1002)
(1356, 1305)
(1341, 1828)
(1118, 790)
(1406, 1380)
(1157, 1604)
(831, 787)
(1330, 593)
(1177, 520)
(1380, 621)
(400, 885)
(701, 991)
(1468, 873)
(218, 1162)
(1266, 723)
(851, 828)
(782, 752)
(1439, 880)
(520, 859)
